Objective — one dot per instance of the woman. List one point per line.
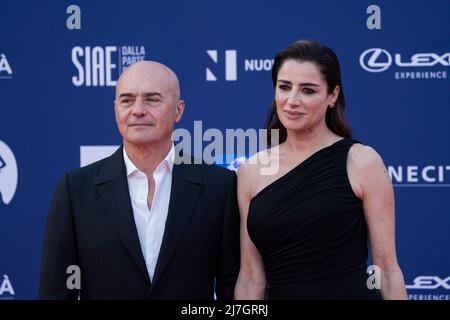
(304, 229)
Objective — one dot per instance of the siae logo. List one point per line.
(100, 66)
(230, 65)
(430, 283)
(8, 173)
(379, 60)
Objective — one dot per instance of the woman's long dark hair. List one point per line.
(327, 61)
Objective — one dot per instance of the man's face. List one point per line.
(147, 104)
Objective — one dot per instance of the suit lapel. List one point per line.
(185, 191)
(112, 186)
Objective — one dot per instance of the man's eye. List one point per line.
(125, 101)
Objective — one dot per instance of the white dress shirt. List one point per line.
(150, 223)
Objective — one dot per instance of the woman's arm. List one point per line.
(251, 283)
(371, 183)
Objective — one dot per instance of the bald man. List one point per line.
(141, 224)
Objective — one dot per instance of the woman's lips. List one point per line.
(294, 115)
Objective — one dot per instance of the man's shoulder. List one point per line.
(209, 174)
(90, 169)
(90, 173)
(195, 163)
(215, 169)
(206, 168)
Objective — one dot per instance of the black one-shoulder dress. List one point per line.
(310, 230)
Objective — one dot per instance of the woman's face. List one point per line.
(301, 96)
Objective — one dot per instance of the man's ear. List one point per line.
(115, 109)
(179, 111)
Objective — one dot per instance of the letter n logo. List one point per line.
(230, 65)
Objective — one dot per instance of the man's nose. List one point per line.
(139, 108)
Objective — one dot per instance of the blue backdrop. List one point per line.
(57, 92)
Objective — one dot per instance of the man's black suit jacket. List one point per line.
(91, 225)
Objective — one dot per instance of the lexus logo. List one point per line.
(429, 282)
(375, 60)
(378, 60)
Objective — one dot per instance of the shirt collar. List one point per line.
(166, 163)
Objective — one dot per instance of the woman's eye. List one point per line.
(308, 91)
(284, 87)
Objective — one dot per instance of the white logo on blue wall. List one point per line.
(6, 288)
(420, 175)
(375, 60)
(429, 283)
(8, 173)
(91, 154)
(5, 69)
(99, 66)
(379, 60)
(230, 65)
